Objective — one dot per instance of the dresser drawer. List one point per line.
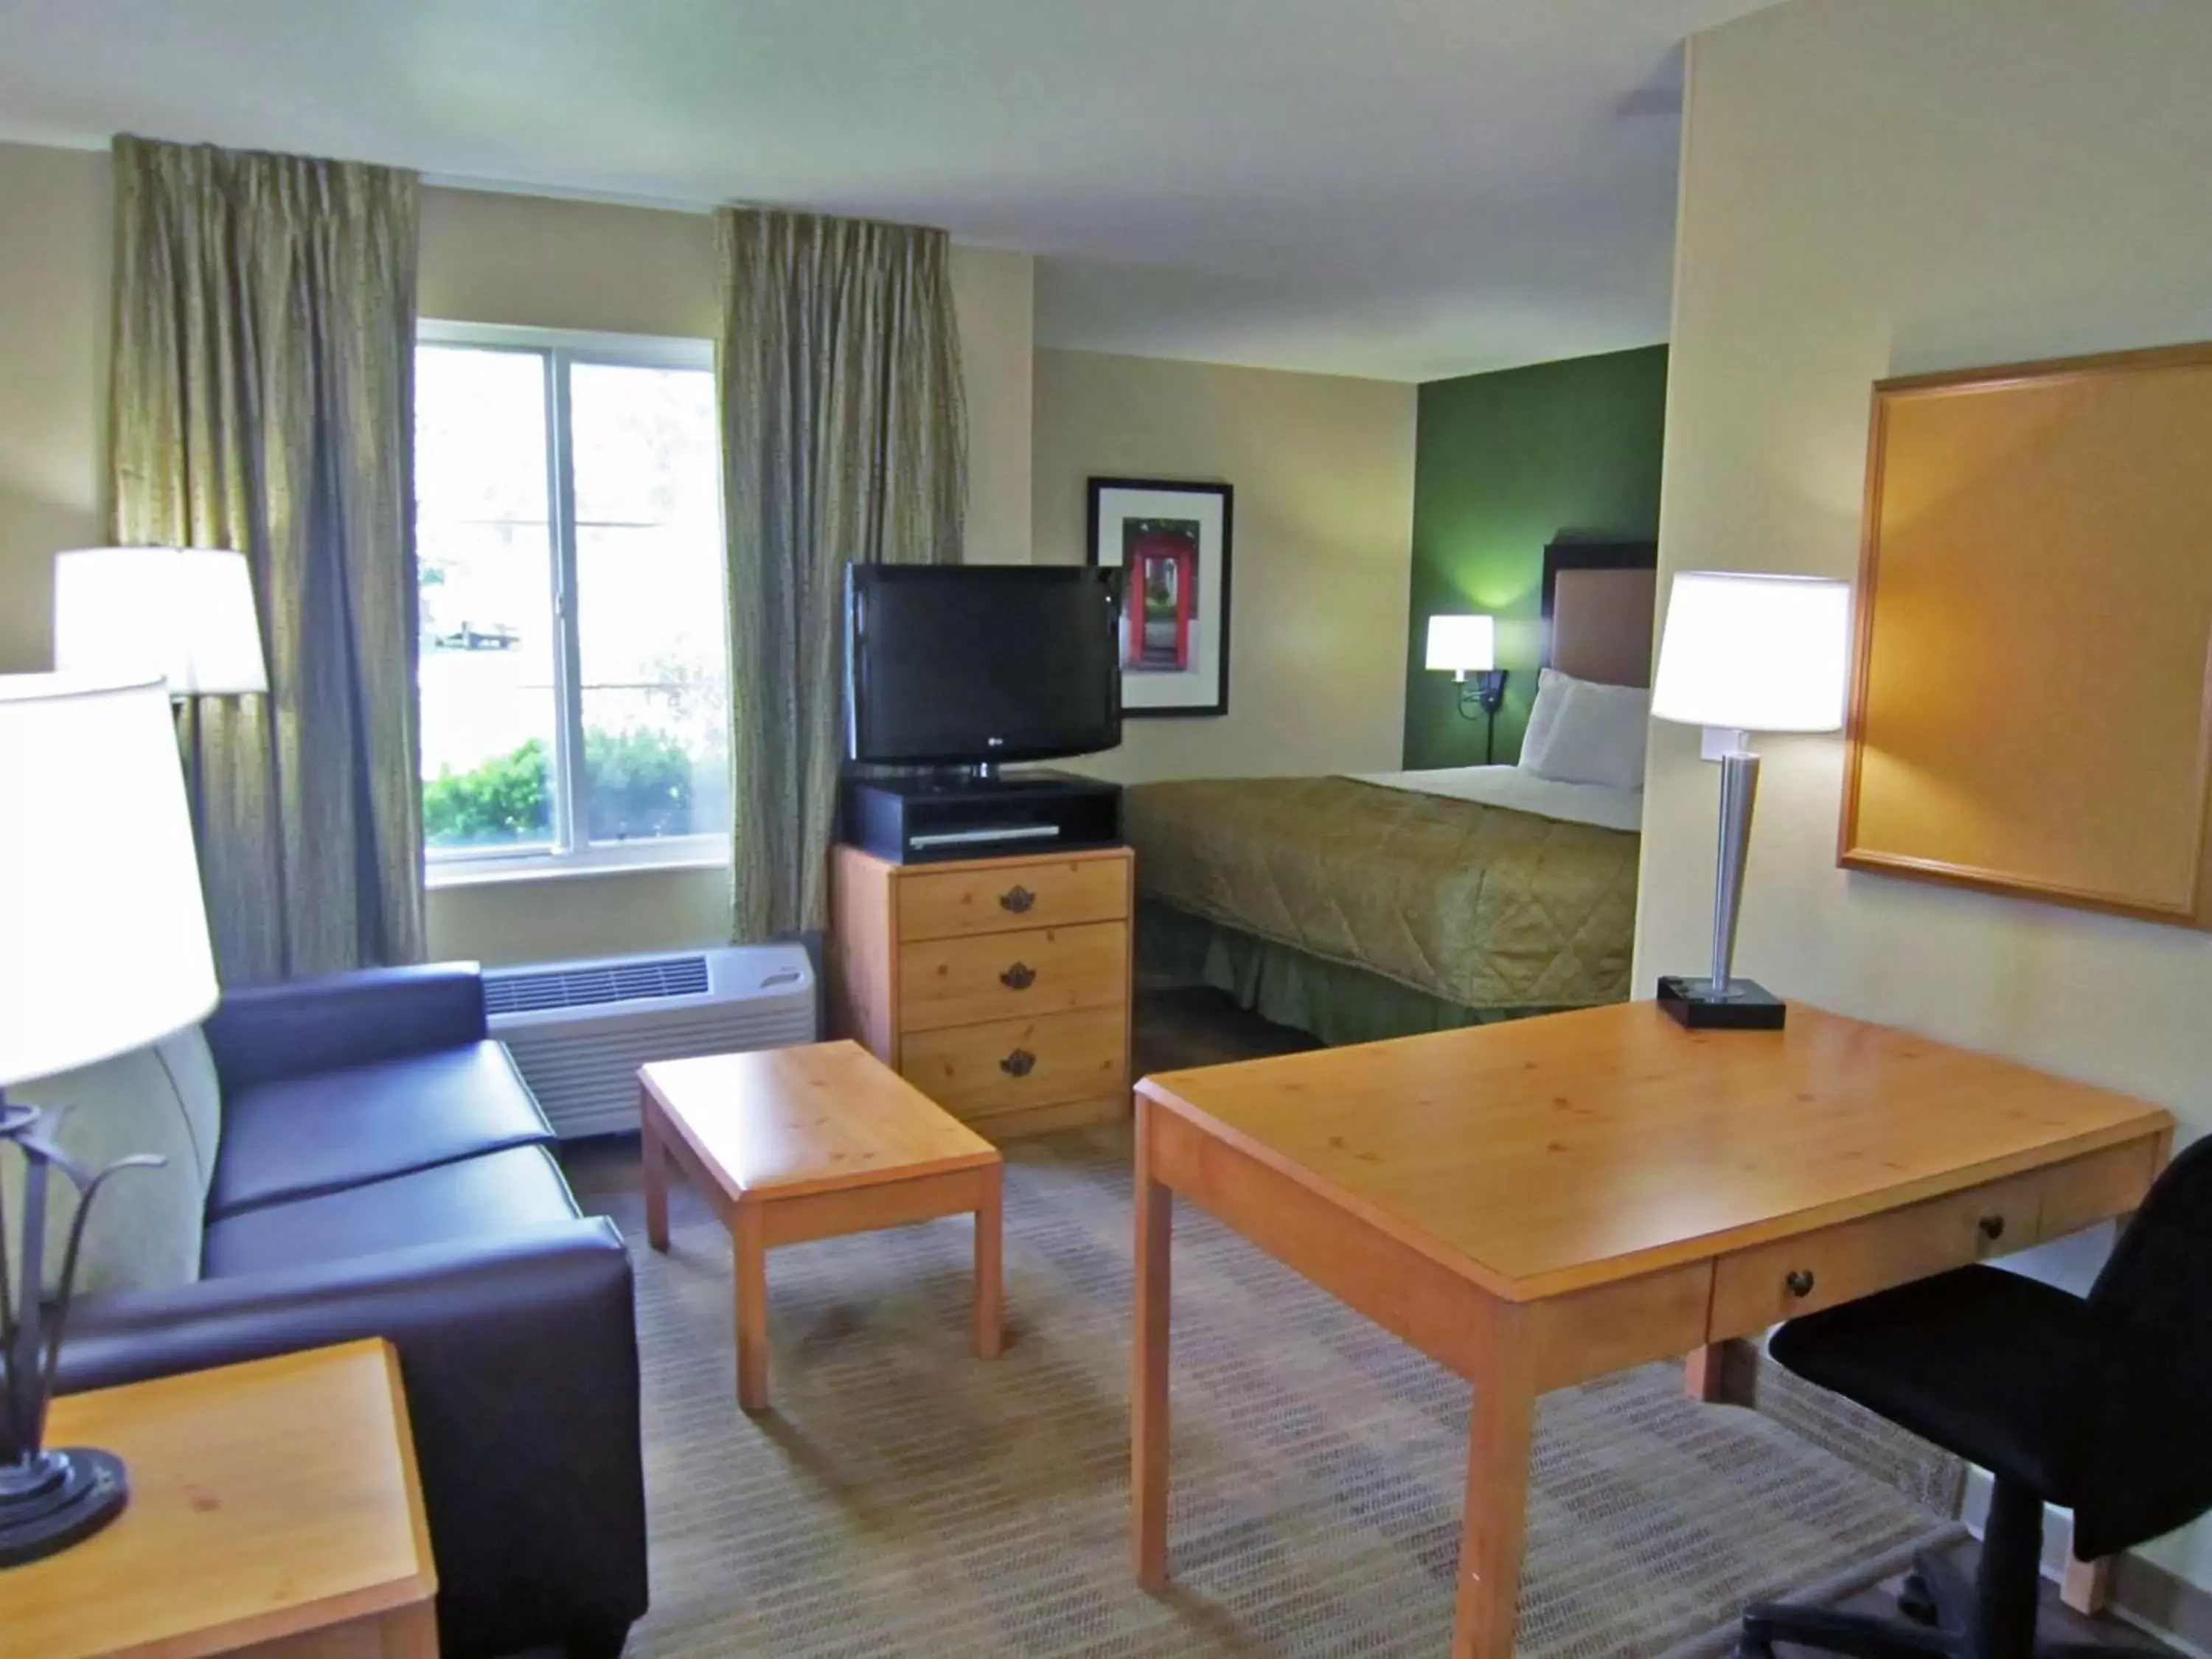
(955, 903)
(1039, 970)
(1767, 1284)
(976, 1070)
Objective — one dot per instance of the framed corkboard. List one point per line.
(2032, 685)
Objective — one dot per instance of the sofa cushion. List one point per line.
(144, 1232)
(299, 1137)
(480, 1197)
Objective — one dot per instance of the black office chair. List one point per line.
(2098, 1405)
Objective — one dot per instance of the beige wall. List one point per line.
(994, 294)
(1323, 472)
(490, 257)
(54, 382)
(1873, 187)
(545, 918)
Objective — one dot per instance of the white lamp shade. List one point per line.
(185, 613)
(1754, 654)
(103, 934)
(1462, 644)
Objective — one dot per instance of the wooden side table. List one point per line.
(274, 1511)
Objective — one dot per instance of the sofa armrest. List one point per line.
(520, 1359)
(270, 1031)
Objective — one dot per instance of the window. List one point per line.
(574, 640)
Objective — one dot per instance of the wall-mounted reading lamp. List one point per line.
(1466, 648)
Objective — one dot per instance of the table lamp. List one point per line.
(103, 949)
(1467, 646)
(1743, 653)
(184, 612)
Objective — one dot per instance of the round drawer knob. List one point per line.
(1016, 898)
(1992, 1227)
(1020, 977)
(1800, 1283)
(1020, 1063)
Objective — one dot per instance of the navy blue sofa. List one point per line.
(383, 1170)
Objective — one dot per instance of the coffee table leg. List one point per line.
(655, 1150)
(752, 1308)
(990, 1288)
(1148, 1394)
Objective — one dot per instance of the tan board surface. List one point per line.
(2030, 707)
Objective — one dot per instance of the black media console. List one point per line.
(914, 818)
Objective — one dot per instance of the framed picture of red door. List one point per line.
(1171, 540)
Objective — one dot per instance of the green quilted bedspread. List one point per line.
(1482, 906)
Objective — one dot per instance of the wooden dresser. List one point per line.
(998, 986)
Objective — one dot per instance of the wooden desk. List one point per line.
(811, 1142)
(1536, 1203)
(274, 1511)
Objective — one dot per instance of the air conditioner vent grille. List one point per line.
(646, 979)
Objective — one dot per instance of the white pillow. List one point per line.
(1583, 731)
(1551, 688)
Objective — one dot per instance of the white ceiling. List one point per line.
(1400, 188)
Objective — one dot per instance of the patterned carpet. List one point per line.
(905, 1499)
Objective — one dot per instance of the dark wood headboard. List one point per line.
(1600, 596)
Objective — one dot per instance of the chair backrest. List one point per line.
(2145, 1458)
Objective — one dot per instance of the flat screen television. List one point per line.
(965, 665)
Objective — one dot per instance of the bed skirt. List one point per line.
(1334, 1002)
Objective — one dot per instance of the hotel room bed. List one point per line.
(1429, 881)
(1357, 907)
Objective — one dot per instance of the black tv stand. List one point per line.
(973, 812)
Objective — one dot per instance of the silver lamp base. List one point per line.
(1719, 1000)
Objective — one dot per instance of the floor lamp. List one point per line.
(103, 949)
(185, 613)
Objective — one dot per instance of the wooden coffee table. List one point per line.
(794, 1144)
(274, 1510)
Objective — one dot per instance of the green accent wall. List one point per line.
(1502, 463)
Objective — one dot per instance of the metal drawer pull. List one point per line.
(1992, 1227)
(1800, 1283)
(1020, 1063)
(1020, 977)
(1016, 898)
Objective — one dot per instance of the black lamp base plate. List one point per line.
(1748, 1005)
(91, 1492)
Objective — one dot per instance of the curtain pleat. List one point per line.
(844, 435)
(262, 399)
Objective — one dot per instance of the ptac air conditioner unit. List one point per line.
(580, 1030)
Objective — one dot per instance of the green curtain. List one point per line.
(262, 399)
(844, 437)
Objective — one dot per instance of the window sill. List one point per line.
(441, 873)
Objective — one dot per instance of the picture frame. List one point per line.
(1173, 538)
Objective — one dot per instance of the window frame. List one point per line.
(572, 852)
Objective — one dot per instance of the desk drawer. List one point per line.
(973, 1071)
(1767, 1284)
(1045, 970)
(959, 902)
